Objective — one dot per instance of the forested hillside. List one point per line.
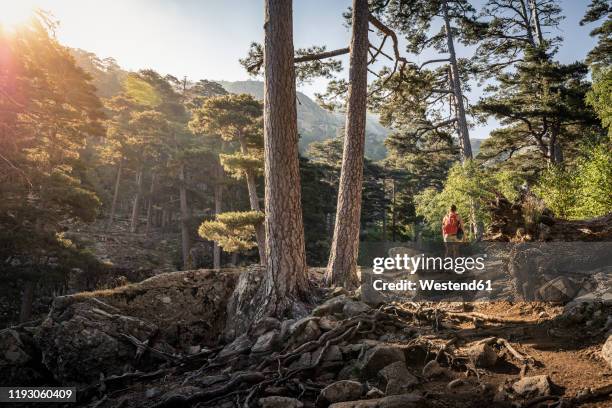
(168, 241)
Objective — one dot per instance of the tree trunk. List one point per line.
(342, 265)
(286, 272)
(111, 215)
(527, 22)
(218, 210)
(536, 22)
(464, 136)
(27, 301)
(150, 203)
(394, 213)
(137, 199)
(254, 202)
(185, 244)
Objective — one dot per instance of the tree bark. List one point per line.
(185, 244)
(137, 199)
(286, 277)
(218, 210)
(342, 265)
(464, 135)
(27, 301)
(260, 233)
(536, 22)
(150, 203)
(111, 215)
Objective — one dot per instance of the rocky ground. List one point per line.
(164, 343)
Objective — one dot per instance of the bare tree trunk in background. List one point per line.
(394, 213)
(536, 22)
(218, 210)
(254, 202)
(27, 301)
(111, 215)
(185, 244)
(150, 203)
(342, 265)
(137, 199)
(286, 273)
(464, 135)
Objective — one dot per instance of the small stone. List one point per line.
(392, 401)
(280, 402)
(482, 355)
(339, 391)
(166, 299)
(152, 392)
(531, 387)
(194, 349)
(379, 357)
(327, 323)
(265, 342)
(399, 379)
(333, 353)
(241, 345)
(433, 369)
(331, 306)
(353, 308)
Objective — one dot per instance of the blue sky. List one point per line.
(205, 38)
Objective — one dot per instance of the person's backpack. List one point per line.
(451, 224)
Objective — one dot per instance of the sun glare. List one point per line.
(16, 13)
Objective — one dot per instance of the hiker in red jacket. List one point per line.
(452, 231)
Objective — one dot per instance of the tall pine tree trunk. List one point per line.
(218, 210)
(286, 272)
(27, 301)
(342, 265)
(185, 244)
(137, 199)
(111, 215)
(464, 134)
(260, 233)
(150, 203)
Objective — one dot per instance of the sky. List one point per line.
(203, 39)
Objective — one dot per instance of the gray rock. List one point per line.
(331, 306)
(393, 401)
(280, 402)
(531, 387)
(240, 345)
(606, 350)
(152, 392)
(350, 371)
(333, 353)
(328, 323)
(265, 325)
(379, 357)
(339, 391)
(306, 332)
(305, 361)
(433, 369)
(12, 348)
(266, 342)
(482, 355)
(399, 380)
(353, 308)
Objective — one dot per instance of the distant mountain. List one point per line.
(317, 124)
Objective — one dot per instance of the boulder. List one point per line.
(280, 402)
(379, 357)
(18, 365)
(305, 330)
(482, 355)
(399, 380)
(531, 387)
(331, 306)
(240, 345)
(606, 351)
(266, 342)
(353, 308)
(392, 401)
(339, 391)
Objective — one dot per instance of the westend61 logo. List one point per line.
(459, 265)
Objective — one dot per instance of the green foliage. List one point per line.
(233, 231)
(581, 192)
(599, 97)
(141, 92)
(464, 183)
(237, 163)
